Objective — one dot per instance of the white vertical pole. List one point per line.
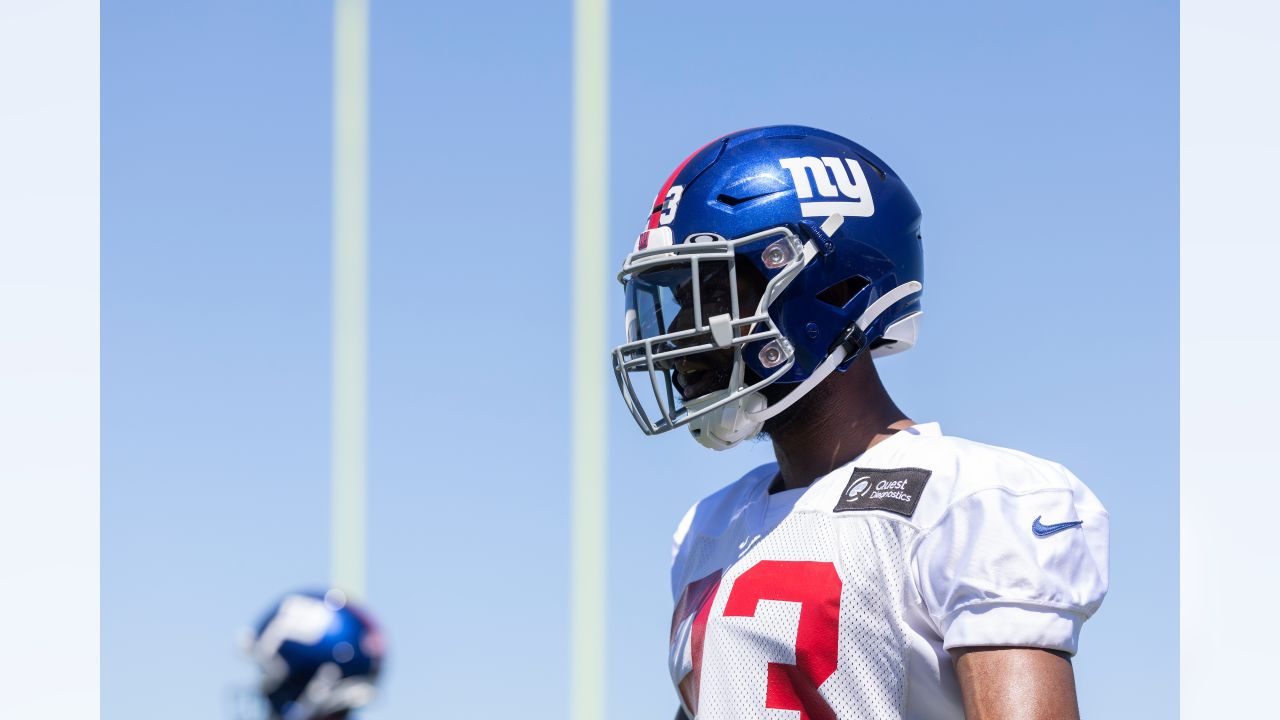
(588, 437)
(350, 270)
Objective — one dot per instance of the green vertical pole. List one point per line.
(350, 291)
(588, 436)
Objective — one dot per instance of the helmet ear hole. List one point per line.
(841, 293)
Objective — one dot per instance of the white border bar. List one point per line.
(49, 441)
(588, 435)
(1230, 389)
(350, 291)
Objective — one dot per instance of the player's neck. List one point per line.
(850, 413)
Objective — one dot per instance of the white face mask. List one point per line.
(684, 309)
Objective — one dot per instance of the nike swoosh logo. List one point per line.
(1042, 530)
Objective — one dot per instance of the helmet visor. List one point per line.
(667, 299)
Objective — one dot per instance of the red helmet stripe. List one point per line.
(666, 187)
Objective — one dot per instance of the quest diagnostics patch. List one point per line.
(897, 491)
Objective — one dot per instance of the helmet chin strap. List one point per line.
(841, 353)
(734, 422)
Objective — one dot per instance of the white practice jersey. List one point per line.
(840, 600)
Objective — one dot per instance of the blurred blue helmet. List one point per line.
(319, 655)
(792, 250)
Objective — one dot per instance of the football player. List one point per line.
(319, 655)
(879, 568)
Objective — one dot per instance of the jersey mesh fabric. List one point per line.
(702, 553)
(870, 675)
(872, 629)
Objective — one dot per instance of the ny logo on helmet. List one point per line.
(832, 181)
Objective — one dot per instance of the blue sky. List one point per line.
(1041, 142)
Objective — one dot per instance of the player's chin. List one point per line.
(702, 382)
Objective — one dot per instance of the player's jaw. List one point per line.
(697, 373)
(701, 374)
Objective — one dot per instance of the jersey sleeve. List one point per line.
(677, 537)
(1015, 566)
(677, 541)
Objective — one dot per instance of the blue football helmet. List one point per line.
(789, 249)
(319, 655)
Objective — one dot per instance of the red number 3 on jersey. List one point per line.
(816, 586)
